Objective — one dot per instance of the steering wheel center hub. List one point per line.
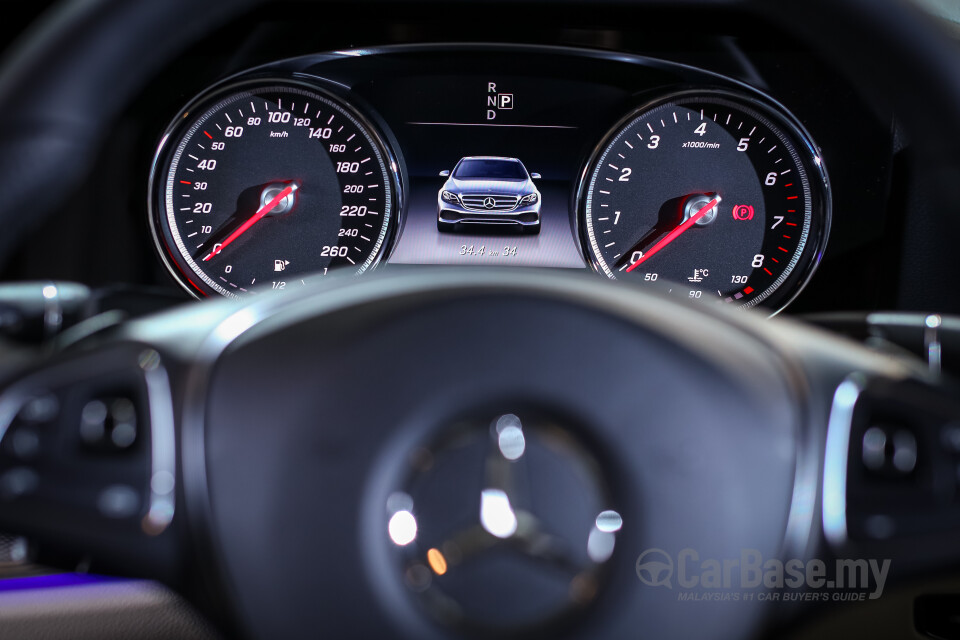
(501, 504)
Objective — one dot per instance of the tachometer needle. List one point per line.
(261, 212)
(673, 235)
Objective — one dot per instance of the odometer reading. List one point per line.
(704, 191)
(266, 184)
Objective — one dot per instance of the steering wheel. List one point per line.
(430, 454)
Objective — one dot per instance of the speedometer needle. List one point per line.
(673, 235)
(261, 212)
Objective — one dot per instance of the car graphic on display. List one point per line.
(489, 190)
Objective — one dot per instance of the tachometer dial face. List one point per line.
(265, 184)
(712, 193)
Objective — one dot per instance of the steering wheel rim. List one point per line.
(76, 130)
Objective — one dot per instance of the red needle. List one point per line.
(673, 235)
(262, 211)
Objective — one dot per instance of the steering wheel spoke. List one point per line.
(87, 460)
(892, 473)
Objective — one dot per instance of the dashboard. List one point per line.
(199, 163)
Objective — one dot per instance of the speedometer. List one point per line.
(264, 183)
(714, 193)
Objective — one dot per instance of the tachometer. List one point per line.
(264, 183)
(715, 193)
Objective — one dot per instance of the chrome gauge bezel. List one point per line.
(819, 203)
(160, 170)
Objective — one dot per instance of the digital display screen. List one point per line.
(493, 164)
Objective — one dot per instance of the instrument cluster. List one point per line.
(632, 167)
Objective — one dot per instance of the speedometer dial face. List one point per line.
(264, 184)
(712, 193)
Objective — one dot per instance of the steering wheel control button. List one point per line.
(93, 422)
(874, 448)
(79, 460)
(478, 521)
(42, 408)
(904, 452)
(18, 482)
(108, 424)
(890, 450)
(902, 478)
(23, 438)
(118, 501)
(25, 443)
